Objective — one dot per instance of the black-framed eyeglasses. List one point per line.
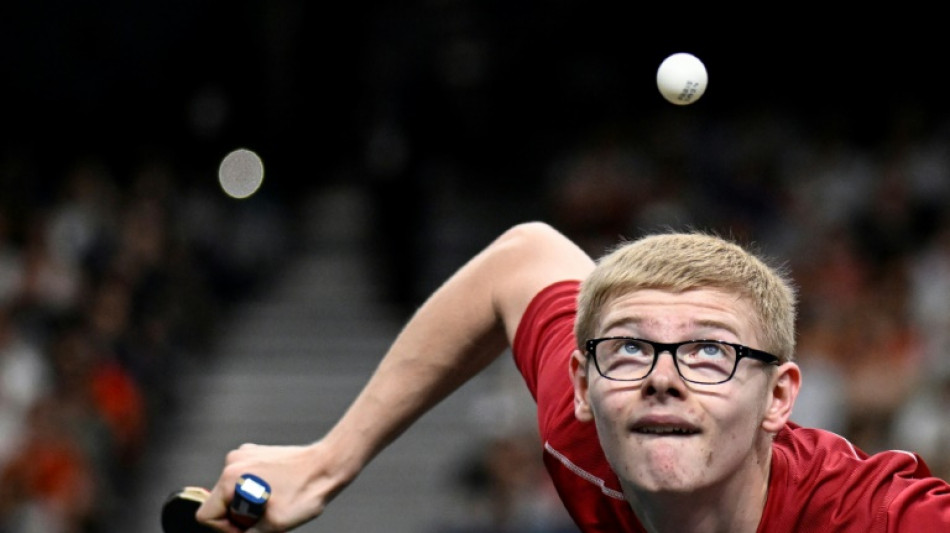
(707, 362)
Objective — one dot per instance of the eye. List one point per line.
(707, 351)
(630, 348)
(624, 348)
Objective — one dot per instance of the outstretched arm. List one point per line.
(460, 329)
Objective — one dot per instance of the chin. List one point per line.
(657, 484)
(666, 471)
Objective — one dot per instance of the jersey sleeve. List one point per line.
(848, 489)
(916, 501)
(546, 331)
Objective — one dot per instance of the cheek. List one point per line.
(611, 403)
(610, 411)
(608, 402)
(610, 416)
(740, 419)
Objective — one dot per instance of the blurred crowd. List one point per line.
(112, 278)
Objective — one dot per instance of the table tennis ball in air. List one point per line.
(682, 78)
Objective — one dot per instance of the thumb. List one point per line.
(214, 512)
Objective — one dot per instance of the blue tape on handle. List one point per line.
(250, 498)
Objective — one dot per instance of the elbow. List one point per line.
(531, 231)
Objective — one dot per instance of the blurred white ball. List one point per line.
(241, 173)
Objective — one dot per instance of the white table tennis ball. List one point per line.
(682, 78)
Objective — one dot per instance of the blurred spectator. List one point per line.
(507, 490)
(24, 380)
(101, 297)
(599, 191)
(928, 271)
(502, 482)
(49, 285)
(49, 485)
(922, 423)
(826, 404)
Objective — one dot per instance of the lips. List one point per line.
(664, 425)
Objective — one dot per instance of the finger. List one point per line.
(224, 526)
(214, 510)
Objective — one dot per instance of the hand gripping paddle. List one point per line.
(247, 506)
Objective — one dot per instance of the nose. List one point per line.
(664, 379)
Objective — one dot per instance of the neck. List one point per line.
(733, 506)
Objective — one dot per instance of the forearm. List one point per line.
(456, 333)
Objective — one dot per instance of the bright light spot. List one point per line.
(253, 488)
(241, 173)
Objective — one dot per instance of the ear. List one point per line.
(785, 384)
(578, 369)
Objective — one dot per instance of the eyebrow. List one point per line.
(695, 324)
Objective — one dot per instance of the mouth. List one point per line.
(664, 426)
(665, 430)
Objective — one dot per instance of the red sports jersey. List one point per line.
(819, 481)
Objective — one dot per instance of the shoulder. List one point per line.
(839, 480)
(811, 452)
(525, 260)
(545, 335)
(548, 318)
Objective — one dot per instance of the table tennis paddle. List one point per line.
(247, 506)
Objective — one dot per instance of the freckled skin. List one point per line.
(728, 460)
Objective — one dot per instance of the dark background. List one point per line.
(303, 81)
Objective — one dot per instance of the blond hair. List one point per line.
(683, 261)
